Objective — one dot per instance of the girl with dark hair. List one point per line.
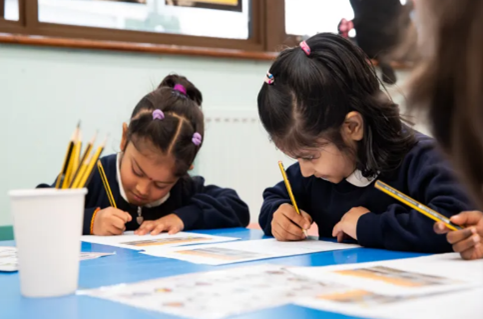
(149, 179)
(322, 104)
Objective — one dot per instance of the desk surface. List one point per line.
(128, 266)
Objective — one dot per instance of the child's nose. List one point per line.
(306, 169)
(142, 188)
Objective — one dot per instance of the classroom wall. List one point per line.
(44, 92)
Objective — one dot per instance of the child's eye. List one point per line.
(160, 187)
(308, 158)
(136, 173)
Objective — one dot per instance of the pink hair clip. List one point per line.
(269, 79)
(158, 115)
(305, 47)
(180, 88)
(196, 139)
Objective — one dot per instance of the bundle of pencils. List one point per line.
(77, 170)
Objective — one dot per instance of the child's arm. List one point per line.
(431, 182)
(276, 196)
(212, 207)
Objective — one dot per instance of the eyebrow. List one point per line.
(138, 166)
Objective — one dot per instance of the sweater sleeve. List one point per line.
(213, 207)
(430, 182)
(275, 196)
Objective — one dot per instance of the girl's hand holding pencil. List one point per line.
(288, 225)
(110, 221)
(468, 241)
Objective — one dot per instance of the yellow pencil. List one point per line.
(84, 162)
(74, 160)
(61, 179)
(77, 154)
(86, 177)
(425, 210)
(106, 184)
(289, 190)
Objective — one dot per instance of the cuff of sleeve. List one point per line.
(369, 231)
(189, 215)
(89, 215)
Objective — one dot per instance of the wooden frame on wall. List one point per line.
(260, 44)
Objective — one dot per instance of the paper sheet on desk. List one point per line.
(216, 294)
(9, 260)
(438, 286)
(148, 242)
(227, 253)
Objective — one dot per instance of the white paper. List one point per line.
(216, 294)
(227, 253)
(148, 242)
(9, 260)
(438, 286)
(89, 255)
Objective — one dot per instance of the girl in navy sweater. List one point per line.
(322, 105)
(149, 179)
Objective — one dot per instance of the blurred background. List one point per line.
(62, 61)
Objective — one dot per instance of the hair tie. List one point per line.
(180, 88)
(196, 139)
(269, 79)
(158, 114)
(305, 47)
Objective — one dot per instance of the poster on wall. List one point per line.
(227, 5)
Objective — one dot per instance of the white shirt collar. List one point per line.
(121, 187)
(358, 180)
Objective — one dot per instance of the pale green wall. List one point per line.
(45, 91)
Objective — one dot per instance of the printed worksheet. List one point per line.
(242, 251)
(422, 275)
(164, 240)
(438, 286)
(217, 294)
(9, 260)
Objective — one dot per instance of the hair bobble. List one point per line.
(180, 88)
(196, 139)
(269, 79)
(305, 47)
(158, 114)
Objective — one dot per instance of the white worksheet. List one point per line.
(148, 242)
(216, 294)
(241, 251)
(9, 260)
(438, 286)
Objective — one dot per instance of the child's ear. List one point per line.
(354, 126)
(124, 137)
(191, 167)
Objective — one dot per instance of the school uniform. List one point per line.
(197, 205)
(423, 175)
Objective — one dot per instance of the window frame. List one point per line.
(260, 44)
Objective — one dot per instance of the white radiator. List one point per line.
(237, 153)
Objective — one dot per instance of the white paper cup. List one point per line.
(48, 227)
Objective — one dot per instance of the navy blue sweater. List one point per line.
(197, 205)
(423, 175)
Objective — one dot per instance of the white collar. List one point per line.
(121, 187)
(358, 180)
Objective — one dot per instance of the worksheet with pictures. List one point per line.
(218, 294)
(164, 240)
(241, 251)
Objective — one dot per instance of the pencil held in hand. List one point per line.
(106, 184)
(425, 210)
(289, 191)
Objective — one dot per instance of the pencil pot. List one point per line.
(48, 227)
